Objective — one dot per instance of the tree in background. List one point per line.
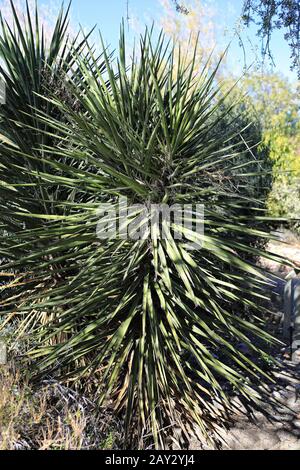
(196, 25)
(180, 7)
(276, 104)
(269, 15)
(276, 14)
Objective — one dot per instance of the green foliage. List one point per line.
(274, 103)
(284, 200)
(276, 14)
(151, 324)
(267, 16)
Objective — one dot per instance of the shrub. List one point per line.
(150, 323)
(32, 68)
(275, 102)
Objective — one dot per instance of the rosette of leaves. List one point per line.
(148, 321)
(33, 66)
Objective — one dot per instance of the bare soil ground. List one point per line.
(257, 432)
(289, 248)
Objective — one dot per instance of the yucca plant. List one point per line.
(155, 326)
(32, 67)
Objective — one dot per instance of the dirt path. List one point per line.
(283, 432)
(288, 248)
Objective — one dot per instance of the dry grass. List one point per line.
(51, 417)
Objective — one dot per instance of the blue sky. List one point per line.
(108, 15)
